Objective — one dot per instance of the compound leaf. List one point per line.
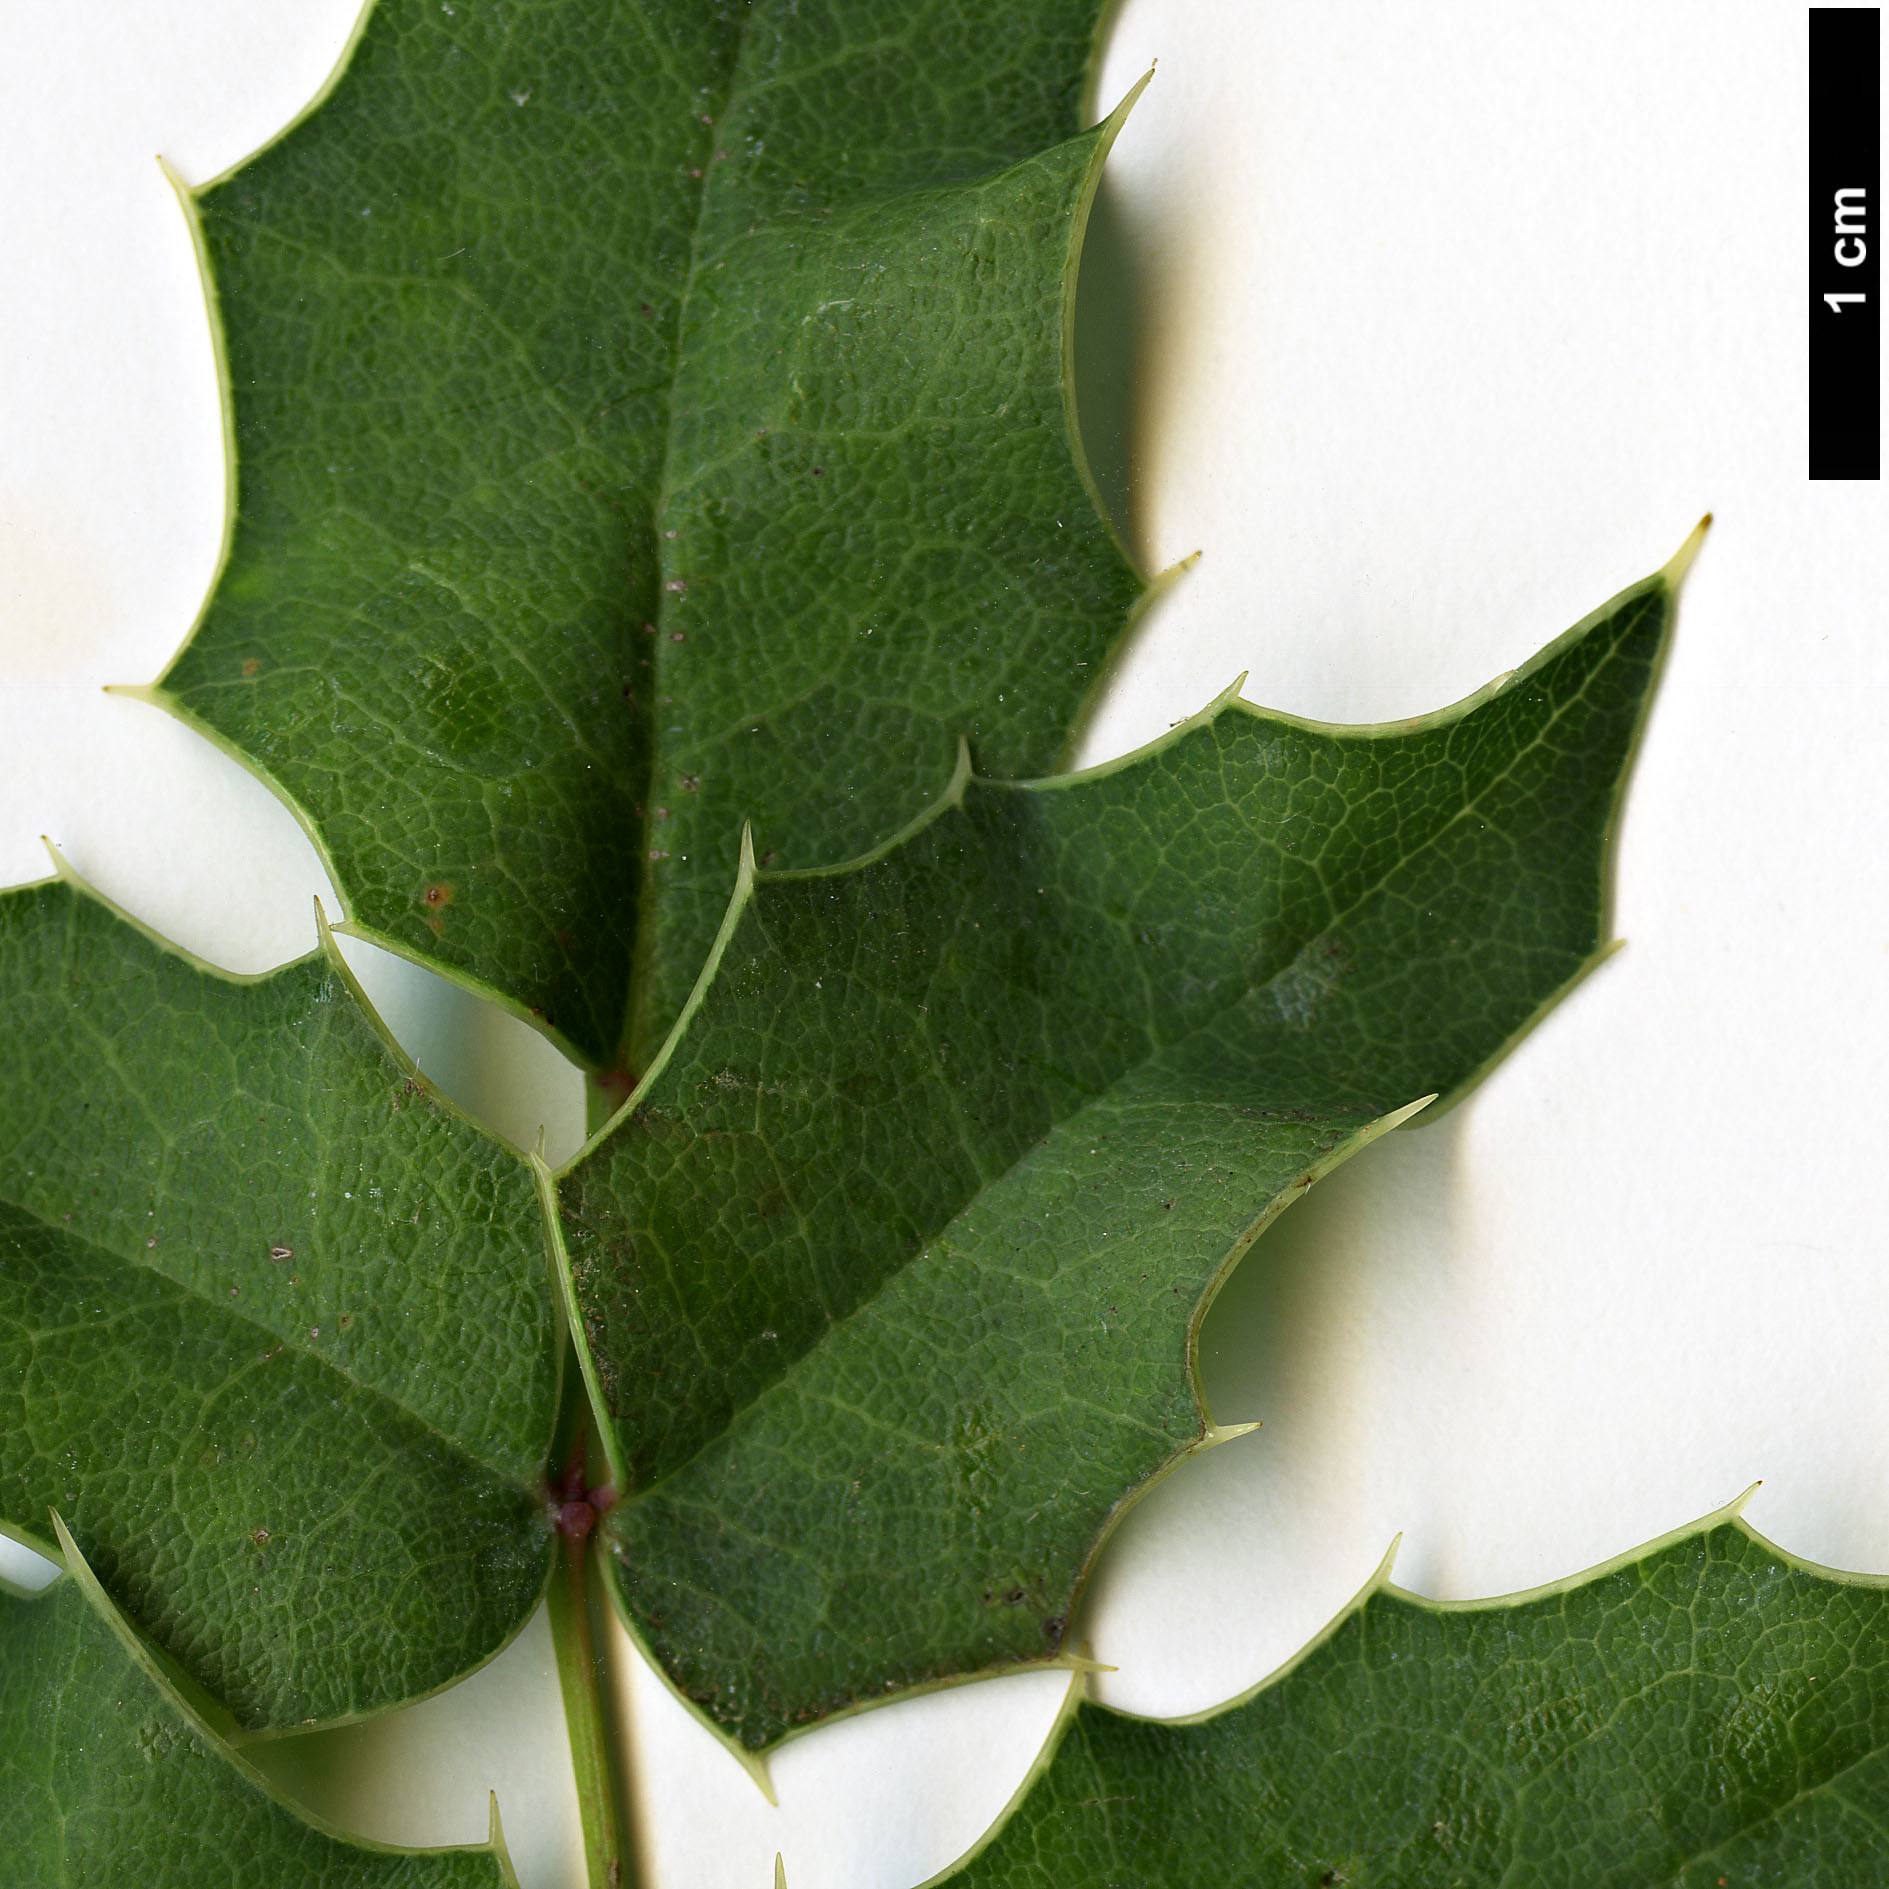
(275, 1334)
(1708, 1713)
(890, 1272)
(651, 417)
(109, 1774)
(654, 418)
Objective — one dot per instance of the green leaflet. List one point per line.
(1707, 1713)
(890, 1272)
(274, 1331)
(109, 1776)
(650, 417)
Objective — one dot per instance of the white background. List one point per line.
(1445, 323)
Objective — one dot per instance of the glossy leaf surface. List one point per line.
(275, 1336)
(651, 417)
(1708, 1714)
(890, 1274)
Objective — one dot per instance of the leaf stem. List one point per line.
(593, 1757)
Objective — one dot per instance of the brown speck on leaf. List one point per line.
(647, 310)
(437, 895)
(260, 1536)
(252, 666)
(689, 782)
(281, 1254)
(649, 629)
(347, 1319)
(676, 636)
(662, 813)
(819, 472)
(767, 858)
(151, 1242)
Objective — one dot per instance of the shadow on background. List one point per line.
(1111, 333)
(1300, 1321)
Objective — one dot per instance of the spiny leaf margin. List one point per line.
(1737, 1734)
(110, 1771)
(767, 1197)
(235, 1222)
(497, 465)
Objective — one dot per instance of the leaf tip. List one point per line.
(1119, 116)
(68, 1548)
(1382, 1578)
(1080, 1664)
(756, 1765)
(780, 1871)
(495, 1842)
(1681, 560)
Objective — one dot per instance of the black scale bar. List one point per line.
(1845, 240)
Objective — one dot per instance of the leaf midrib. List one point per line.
(1245, 991)
(631, 1044)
